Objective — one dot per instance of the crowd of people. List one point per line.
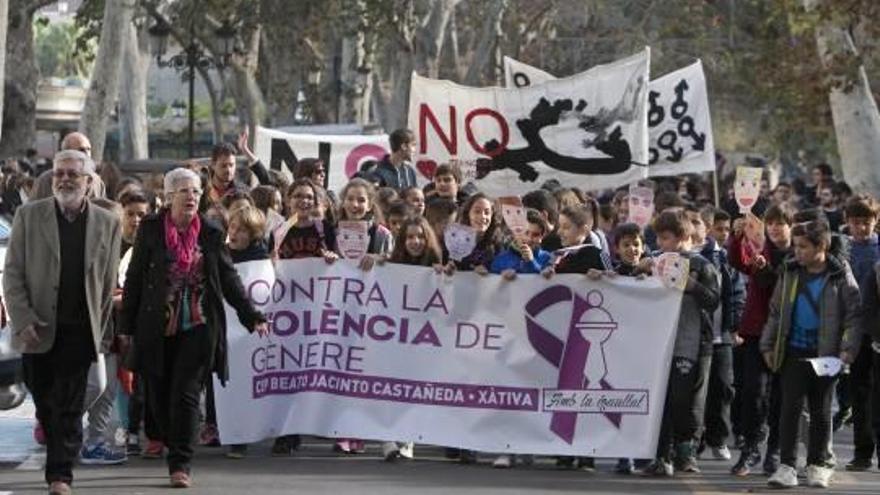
(159, 261)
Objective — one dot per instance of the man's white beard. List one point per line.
(69, 199)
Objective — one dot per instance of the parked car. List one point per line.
(12, 390)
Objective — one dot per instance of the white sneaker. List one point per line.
(721, 453)
(819, 476)
(784, 477)
(502, 462)
(406, 450)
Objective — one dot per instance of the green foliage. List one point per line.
(59, 52)
(157, 110)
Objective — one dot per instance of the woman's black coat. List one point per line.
(145, 296)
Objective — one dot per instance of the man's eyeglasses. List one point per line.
(72, 174)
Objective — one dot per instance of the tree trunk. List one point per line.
(4, 17)
(283, 58)
(133, 128)
(216, 103)
(486, 52)
(356, 67)
(854, 110)
(104, 87)
(21, 77)
(243, 82)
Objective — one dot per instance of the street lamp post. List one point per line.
(192, 56)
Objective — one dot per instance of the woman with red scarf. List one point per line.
(179, 274)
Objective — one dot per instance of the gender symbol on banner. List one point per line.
(521, 80)
(684, 126)
(591, 325)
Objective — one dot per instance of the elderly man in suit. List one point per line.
(58, 282)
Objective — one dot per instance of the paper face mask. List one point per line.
(352, 238)
(641, 205)
(460, 240)
(514, 215)
(747, 187)
(754, 232)
(672, 269)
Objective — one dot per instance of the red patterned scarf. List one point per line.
(182, 244)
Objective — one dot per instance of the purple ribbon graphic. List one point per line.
(570, 356)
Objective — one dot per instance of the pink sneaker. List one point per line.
(342, 446)
(357, 446)
(39, 434)
(209, 436)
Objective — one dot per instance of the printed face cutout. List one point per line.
(754, 232)
(747, 187)
(641, 205)
(514, 214)
(672, 269)
(460, 240)
(352, 237)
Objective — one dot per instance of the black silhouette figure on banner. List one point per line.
(685, 126)
(612, 144)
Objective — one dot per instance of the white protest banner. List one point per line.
(679, 122)
(556, 367)
(588, 130)
(342, 155)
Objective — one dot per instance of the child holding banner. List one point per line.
(524, 255)
(415, 244)
(629, 245)
(359, 205)
(478, 212)
(693, 340)
(578, 255)
(245, 242)
(301, 236)
(814, 313)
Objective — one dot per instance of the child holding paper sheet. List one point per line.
(814, 312)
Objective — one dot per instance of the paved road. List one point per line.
(315, 470)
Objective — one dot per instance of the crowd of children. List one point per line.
(751, 317)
